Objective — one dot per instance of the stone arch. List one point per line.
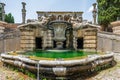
(60, 17)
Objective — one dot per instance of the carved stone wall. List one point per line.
(27, 40)
(56, 15)
(29, 35)
(49, 39)
(90, 38)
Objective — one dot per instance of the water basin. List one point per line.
(59, 54)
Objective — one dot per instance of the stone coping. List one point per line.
(58, 62)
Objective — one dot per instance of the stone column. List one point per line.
(44, 40)
(67, 41)
(49, 39)
(94, 13)
(23, 12)
(2, 11)
(75, 40)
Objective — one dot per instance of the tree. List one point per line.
(9, 18)
(0, 12)
(108, 11)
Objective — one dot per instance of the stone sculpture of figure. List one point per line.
(80, 18)
(77, 24)
(44, 20)
(23, 4)
(42, 23)
(74, 19)
(23, 12)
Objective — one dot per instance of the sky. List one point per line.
(15, 6)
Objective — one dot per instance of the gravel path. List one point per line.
(108, 74)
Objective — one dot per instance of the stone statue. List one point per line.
(77, 25)
(74, 19)
(94, 12)
(44, 20)
(42, 23)
(2, 5)
(23, 12)
(77, 22)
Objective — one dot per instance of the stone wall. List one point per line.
(108, 42)
(27, 41)
(29, 35)
(116, 27)
(10, 43)
(1, 29)
(90, 38)
(116, 30)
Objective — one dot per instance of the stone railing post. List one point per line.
(2, 11)
(23, 12)
(94, 12)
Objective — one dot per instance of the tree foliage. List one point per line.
(0, 12)
(108, 11)
(9, 18)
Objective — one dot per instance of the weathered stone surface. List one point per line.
(90, 37)
(2, 29)
(90, 46)
(27, 41)
(27, 37)
(108, 42)
(90, 41)
(27, 45)
(27, 33)
(90, 33)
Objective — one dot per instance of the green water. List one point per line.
(68, 54)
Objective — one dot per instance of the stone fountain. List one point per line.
(57, 68)
(59, 28)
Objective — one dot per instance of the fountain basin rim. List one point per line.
(58, 62)
(59, 68)
(55, 50)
